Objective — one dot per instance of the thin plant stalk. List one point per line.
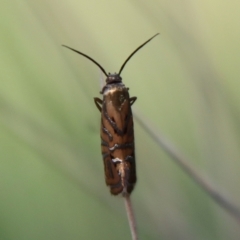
(131, 218)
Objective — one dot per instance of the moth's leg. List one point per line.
(132, 100)
(98, 103)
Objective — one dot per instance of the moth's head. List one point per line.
(113, 78)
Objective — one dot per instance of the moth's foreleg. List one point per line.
(98, 102)
(132, 100)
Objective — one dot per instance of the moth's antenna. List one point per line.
(135, 52)
(92, 60)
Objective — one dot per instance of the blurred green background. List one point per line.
(187, 83)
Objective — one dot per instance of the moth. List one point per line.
(116, 131)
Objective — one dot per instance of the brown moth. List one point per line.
(117, 135)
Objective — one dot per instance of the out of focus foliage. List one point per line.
(187, 84)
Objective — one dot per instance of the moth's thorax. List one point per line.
(113, 87)
(116, 95)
